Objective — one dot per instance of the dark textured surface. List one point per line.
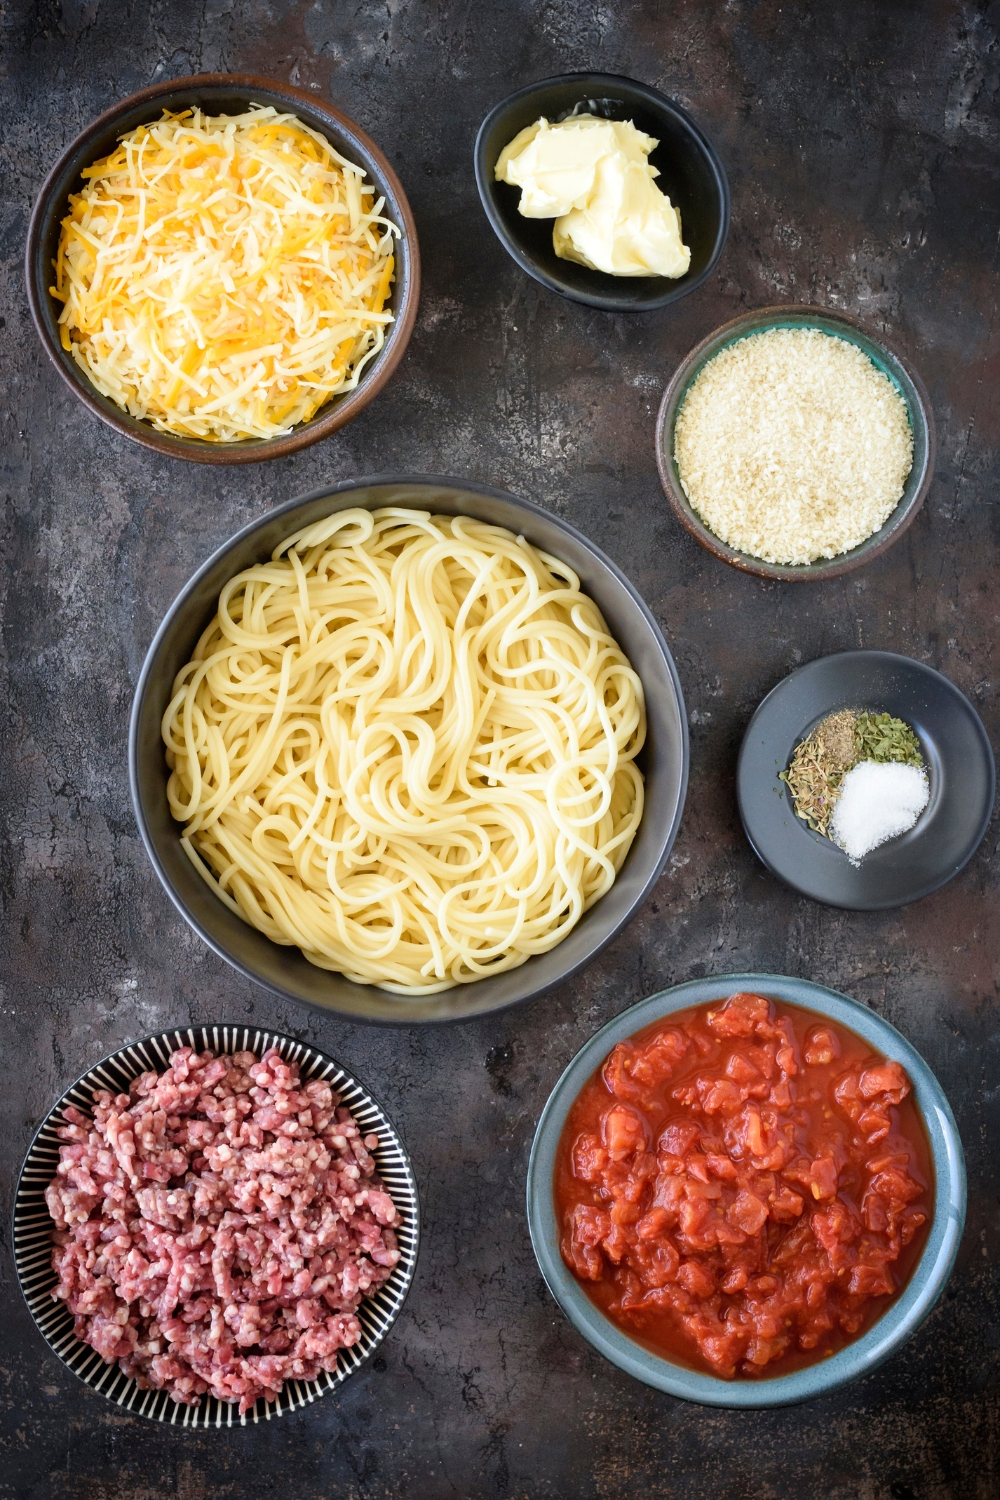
(861, 143)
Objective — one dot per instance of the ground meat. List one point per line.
(218, 1226)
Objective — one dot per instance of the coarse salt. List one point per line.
(878, 801)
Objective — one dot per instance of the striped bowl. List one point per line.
(33, 1226)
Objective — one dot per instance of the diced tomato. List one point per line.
(785, 1200)
(696, 1279)
(679, 1137)
(693, 1214)
(721, 1166)
(653, 1224)
(747, 1212)
(823, 1177)
(589, 1158)
(618, 1073)
(822, 1047)
(658, 1060)
(586, 1262)
(741, 1070)
(786, 1206)
(871, 1281)
(785, 1058)
(630, 1072)
(740, 1016)
(590, 1225)
(888, 1079)
(624, 1132)
(719, 1096)
(655, 1261)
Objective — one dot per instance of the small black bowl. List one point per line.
(33, 1227)
(691, 175)
(285, 970)
(958, 759)
(220, 94)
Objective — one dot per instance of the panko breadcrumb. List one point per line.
(791, 445)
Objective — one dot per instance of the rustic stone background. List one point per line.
(861, 143)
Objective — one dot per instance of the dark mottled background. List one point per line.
(861, 142)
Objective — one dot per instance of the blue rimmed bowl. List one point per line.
(903, 1316)
(33, 1227)
(887, 360)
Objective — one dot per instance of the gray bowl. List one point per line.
(903, 1316)
(284, 970)
(888, 361)
(960, 771)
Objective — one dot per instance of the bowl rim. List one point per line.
(211, 1413)
(899, 1321)
(333, 492)
(898, 520)
(249, 450)
(921, 668)
(605, 301)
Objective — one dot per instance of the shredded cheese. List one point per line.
(224, 277)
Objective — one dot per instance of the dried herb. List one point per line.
(822, 760)
(818, 766)
(881, 737)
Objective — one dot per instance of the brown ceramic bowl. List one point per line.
(220, 93)
(908, 384)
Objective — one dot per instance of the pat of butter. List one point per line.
(593, 177)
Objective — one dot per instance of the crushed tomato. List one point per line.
(744, 1189)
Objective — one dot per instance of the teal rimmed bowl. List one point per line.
(891, 363)
(904, 1315)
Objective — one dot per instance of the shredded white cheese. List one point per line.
(224, 277)
(791, 445)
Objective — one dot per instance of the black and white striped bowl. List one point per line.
(33, 1226)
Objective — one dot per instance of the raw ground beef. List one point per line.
(218, 1227)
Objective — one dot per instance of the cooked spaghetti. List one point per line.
(407, 745)
(224, 276)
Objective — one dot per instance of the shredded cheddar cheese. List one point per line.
(223, 277)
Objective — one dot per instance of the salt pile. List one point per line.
(878, 801)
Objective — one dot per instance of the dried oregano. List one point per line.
(881, 737)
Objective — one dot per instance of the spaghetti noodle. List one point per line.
(406, 744)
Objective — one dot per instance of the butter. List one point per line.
(593, 177)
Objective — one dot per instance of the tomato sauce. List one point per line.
(744, 1187)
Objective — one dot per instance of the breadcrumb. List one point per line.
(792, 445)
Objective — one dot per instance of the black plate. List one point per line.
(691, 175)
(960, 769)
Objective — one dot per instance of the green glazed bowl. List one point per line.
(908, 384)
(902, 1318)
